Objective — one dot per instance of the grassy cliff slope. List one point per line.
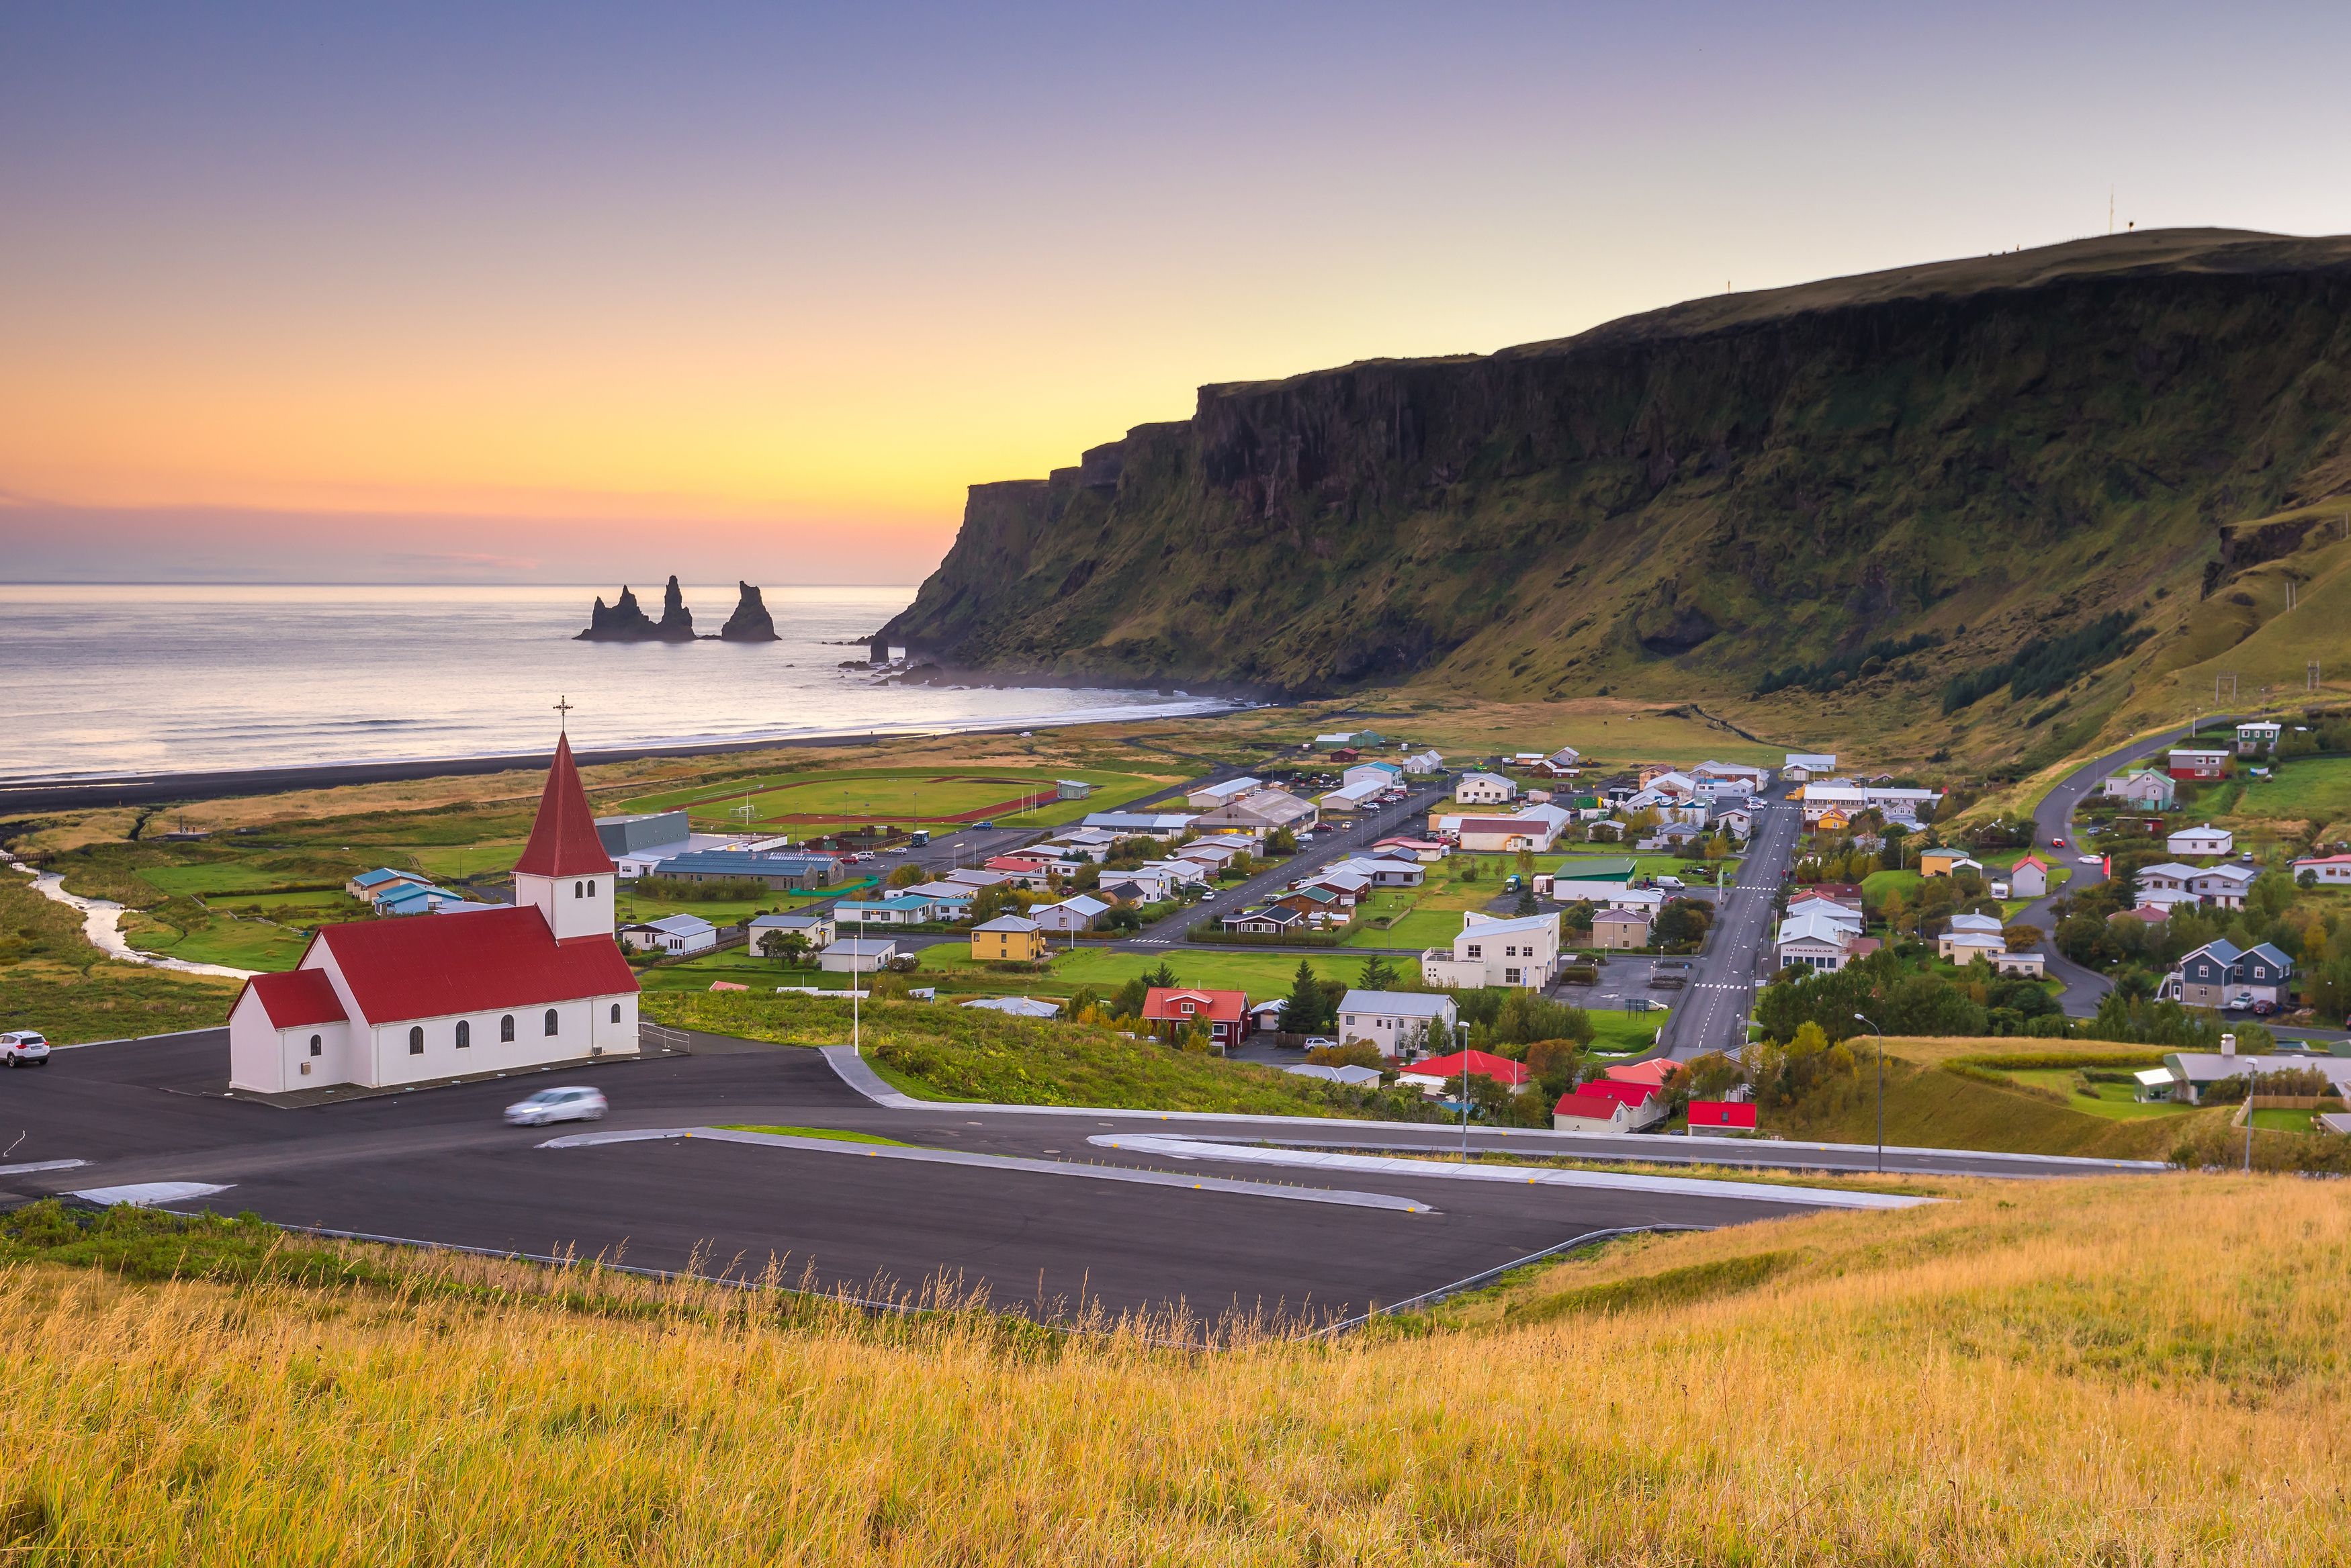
(2116, 1371)
(1951, 459)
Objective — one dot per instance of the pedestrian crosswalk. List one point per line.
(1155, 941)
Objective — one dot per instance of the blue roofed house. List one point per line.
(368, 884)
(410, 899)
(2220, 974)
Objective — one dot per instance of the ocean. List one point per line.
(113, 679)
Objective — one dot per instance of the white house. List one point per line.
(2327, 868)
(816, 930)
(1349, 799)
(1605, 895)
(524, 985)
(1524, 951)
(2258, 736)
(1484, 789)
(1401, 1024)
(2029, 877)
(1387, 776)
(1814, 939)
(1072, 914)
(2224, 887)
(1965, 947)
(2205, 840)
(2142, 787)
(1420, 763)
(1802, 767)
(857, 955)
(677, 935)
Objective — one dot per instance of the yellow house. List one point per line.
(1834, 822)
(1944, 862)
(1008, 938)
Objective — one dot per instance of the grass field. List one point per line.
(2111, 1371)
(54, 981)
(2113, 1101)
(2316, 790)
(905, 796)
(1262, 975)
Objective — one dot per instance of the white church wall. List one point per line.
(257, 1060)
(532, 1046)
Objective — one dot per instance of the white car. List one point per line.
(1673, 882)
(569, 1105)
(2089, 859)
(1318, 1043)
(26, 1049)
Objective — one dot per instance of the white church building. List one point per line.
(389, 1002)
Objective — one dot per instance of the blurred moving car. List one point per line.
(26, 1048)
(574, 1103)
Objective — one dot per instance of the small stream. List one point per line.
(102, 923)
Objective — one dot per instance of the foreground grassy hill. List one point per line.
(2122, 1372)
(1859, 488)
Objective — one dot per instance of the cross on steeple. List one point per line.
(562, 711)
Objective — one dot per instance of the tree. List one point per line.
(1162, 977)
(1130, 997)
(906, 876)
(788, 948)
(1378, 973)
(1348, 1053)
(1123, 918)
(1304, 1013)
(1555, 1066)
(989, 902)
(1281, 841)
(1087, 879)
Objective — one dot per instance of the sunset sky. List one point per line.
(573, 293)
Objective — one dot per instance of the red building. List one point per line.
(1169, 1010)
(1721, 1114)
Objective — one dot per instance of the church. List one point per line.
(392, 1002)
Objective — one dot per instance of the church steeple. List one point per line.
(564, 869)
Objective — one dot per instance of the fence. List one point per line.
(662, 1038)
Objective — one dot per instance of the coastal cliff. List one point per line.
(1944, 458)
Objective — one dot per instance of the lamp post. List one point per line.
(1874, 1029)
(1461, 1036)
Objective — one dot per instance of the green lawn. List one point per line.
(1613, 1031)
(1262, 975)
(2114, 1101)
(905, 796)
(455, 860)
(1423, 928)
(2280, 1119)
(1877, 884)
(2312, 789)
(181, 930)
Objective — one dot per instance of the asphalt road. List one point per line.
(437, 1166)
(1712, 1014)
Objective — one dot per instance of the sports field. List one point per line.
(904, 797)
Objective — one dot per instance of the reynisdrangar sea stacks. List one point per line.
(624, 620)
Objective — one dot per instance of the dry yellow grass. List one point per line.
(2142, 1372)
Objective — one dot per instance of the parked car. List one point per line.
(2242, 1001)
(1674, 882)
(988, 824)
(574, 1103)
(26, 1048)
(1318, 1043)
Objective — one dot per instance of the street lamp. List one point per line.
(1461, 1038)
(1881, 1090)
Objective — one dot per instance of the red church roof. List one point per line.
(293, 1001)
(431, 966)
(563, 841)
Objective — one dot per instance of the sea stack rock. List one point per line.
(750, 622)
(677, 621)
(623, 622)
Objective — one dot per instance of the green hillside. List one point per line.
(1827, 501)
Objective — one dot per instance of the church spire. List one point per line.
(563, 841)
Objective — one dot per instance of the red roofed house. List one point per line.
(409, 1000)
(1729, 1115)
(1169, 1010)
(1644, 1103)
(1578, 1112)
(1432, 1073)
(1656, 1070)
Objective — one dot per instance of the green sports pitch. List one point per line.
(902, 796)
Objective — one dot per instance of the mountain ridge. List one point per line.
(1974, 452)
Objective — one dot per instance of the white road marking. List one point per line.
(146, 1194)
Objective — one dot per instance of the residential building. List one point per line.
(2032, 965)
(1078, 913)
(2220, 974)
(2142, 788)
(1401, 1024)
(1265, 1017)
(858, 955)
(1566, 757)
(1349, 800)
(525, 985)
(1387, 776)
(1349, 739)
(2224, 887)
(2199, 763)
(2204, 840)
(1278, 921)
(1358, 1077)
(814, 929)
(368, 885)
(1843, 895)
(1607, 895)
(1644, 1104)
(898, 909)
(677, 935)
(1948, 862)
(1834, 820)
(1428, 851)
(1430, 1074)
(1008, 939)
(1210, 796)
(1817, 939)
(1381, 870)
(1507, 834)
(1578, 1112)
(2257, 737)
(1484, 789)
(1169, 1012)
(972, 879)
(1621, 928)
(2193, 1072)
(2029, 877)
(2327, 868)
(1216, 854)
(1422, 764)
(1965, 947)
(412, 898)
(1803, 767)
(1521, 952)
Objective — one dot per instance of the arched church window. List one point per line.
(551, 1020)
(416, 1040)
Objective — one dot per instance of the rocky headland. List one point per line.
(625, 620)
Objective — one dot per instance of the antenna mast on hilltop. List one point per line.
(2110, 210)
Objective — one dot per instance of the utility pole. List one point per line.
(1881, 1091)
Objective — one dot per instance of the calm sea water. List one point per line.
(115, 679)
